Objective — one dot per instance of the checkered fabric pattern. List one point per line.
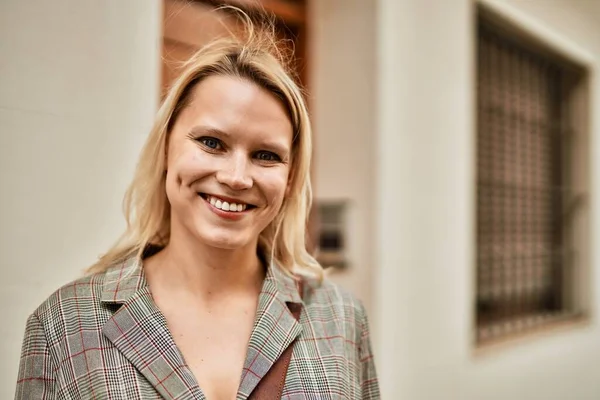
(103, 337)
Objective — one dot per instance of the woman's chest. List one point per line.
(214, 349)
(320, 367)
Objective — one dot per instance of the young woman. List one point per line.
(210, 293)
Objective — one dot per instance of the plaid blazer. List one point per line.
(103, 337)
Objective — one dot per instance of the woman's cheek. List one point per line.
(191, 166)
(277, 188)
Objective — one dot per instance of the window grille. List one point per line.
(525, 249)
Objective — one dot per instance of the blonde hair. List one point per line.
(256, 57)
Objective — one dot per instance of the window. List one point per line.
(532, 148)
(332, 246)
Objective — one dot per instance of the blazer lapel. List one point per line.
(139, 331)
(274, 330)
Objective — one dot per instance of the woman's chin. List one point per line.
(225, 241)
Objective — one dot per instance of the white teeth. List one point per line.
(226, 206)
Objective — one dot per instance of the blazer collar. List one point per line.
(122, 281)
(274, 330)
(285, 285)
(139, 330)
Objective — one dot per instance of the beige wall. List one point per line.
(79, 86)
(425, 211)
(342, 99)
(424, 197)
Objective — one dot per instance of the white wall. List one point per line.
(79, 88)
(342, 89)
(425, 212)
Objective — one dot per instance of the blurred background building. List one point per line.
(456, 172)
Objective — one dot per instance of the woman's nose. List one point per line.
(235, 172)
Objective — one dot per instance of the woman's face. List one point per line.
(228, 162)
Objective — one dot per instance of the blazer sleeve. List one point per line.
(369, 381)
(36, 369)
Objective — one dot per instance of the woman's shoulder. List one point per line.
(331, 300)
(79, 298)
(71, 297)
(329, 291)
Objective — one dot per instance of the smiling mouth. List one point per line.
(224, 205)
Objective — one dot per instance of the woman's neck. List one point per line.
(208, 272)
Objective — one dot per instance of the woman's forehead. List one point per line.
(235, 105)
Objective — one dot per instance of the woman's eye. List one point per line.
(267, 156)
(210, 142)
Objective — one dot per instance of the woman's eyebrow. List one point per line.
(276, 147)
(207, 130)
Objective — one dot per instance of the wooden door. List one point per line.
(188, 25)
